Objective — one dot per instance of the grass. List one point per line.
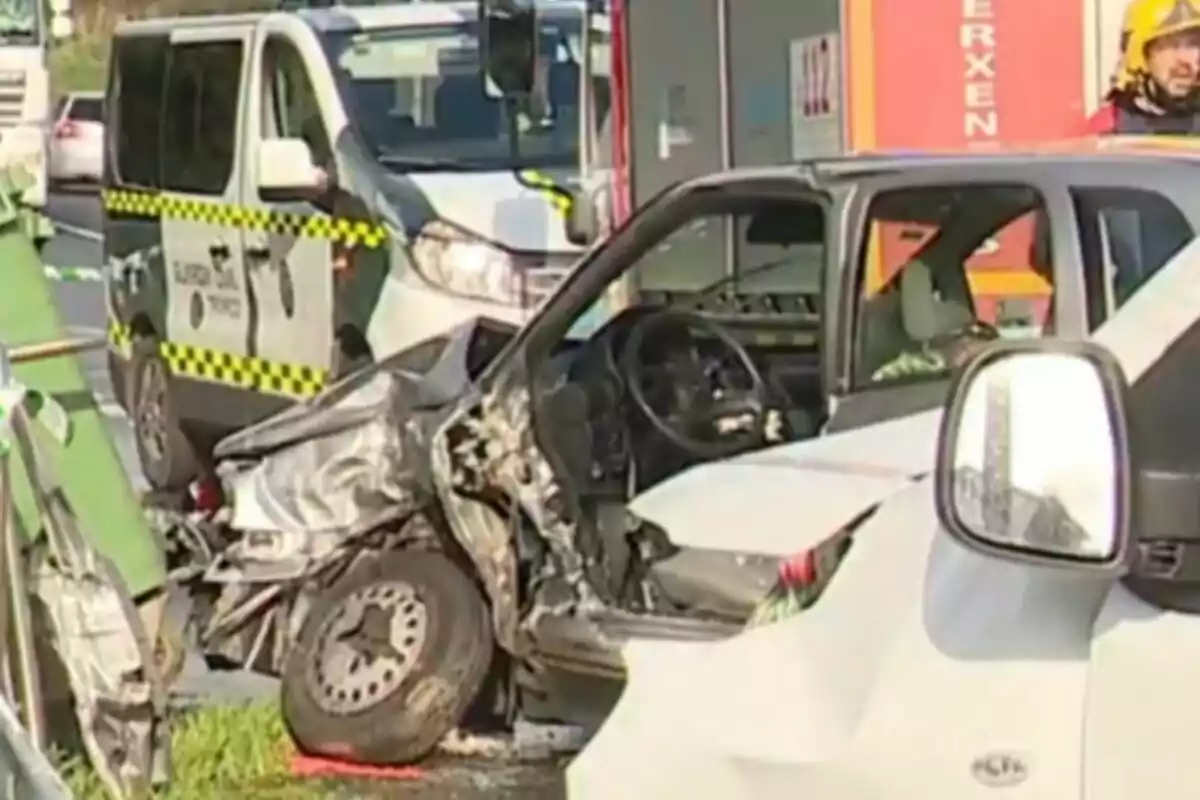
(79, 64)
(222, 751)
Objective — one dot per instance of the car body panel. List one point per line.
(856, 696)
(928, 668)
(803, 492)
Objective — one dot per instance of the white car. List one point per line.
(1017, 616)
(77, 143)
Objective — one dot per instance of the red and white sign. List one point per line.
(816, 87)
(816, 76)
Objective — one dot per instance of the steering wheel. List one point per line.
(701, 394)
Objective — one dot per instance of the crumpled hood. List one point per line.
(788, 498)
(495, 205)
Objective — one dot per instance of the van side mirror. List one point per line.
(582, 223)
(508, 44)
(286, 170)
(1033, 460)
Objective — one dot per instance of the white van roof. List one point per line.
(349, 17)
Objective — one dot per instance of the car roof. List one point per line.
(1097, 150)
(422, 14)
(344, 18)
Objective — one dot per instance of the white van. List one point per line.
(287, 194)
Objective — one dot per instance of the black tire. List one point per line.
(167, 456)
(413, 709)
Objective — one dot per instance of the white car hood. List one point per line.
(788, 498)
(497, 206)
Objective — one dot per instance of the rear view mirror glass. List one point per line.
(509, 42)
(1033, 460)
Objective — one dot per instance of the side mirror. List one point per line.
(509, 47)
(1033, 457)
(582, 223)
(286, 169)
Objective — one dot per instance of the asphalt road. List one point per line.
(78, 247)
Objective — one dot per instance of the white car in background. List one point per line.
(77, 143)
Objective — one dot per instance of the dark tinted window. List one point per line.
(199, 125)
(87, 109)
(135, 95)
(1126, 236)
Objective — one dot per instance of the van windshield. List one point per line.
(417, 98)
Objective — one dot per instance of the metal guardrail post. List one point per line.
(23, 656)
(26, 769)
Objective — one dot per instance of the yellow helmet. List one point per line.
(1133, 12)
(1145, 21)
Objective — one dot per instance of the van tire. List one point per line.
(167, 455)
(435, 683)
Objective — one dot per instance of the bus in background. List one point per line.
(28, 30)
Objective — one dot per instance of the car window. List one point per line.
(776, 276)
(292, 110)
(86, 109)
(943, 268)
(1126, 235)
(414, 93)
(199, 126)
(780, 251)
(777, 271)
(135, 92)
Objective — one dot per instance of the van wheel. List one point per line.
(388, 660)
(167, 456)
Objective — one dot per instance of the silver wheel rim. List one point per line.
(151, 419)
(368, 646)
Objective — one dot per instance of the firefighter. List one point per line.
(1155, 88)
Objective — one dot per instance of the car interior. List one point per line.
(928, 302)
(683, 376)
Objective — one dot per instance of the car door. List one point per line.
(208, 308)
(1020, 277)
(291, 276)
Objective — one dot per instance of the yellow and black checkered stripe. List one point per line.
(352, 233)
(244, 372)
(559, 198)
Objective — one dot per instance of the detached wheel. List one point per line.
(167, 456)
(388, 660)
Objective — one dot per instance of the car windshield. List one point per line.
(19, 21)
(417, 97)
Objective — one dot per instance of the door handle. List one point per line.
(219, 251)
(258, 253)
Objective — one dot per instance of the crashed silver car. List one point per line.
(461, 531)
